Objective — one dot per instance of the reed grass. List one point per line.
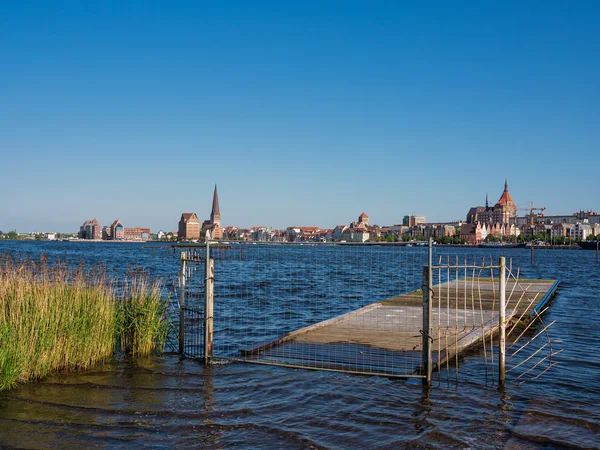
(54, 318)
(143, 324)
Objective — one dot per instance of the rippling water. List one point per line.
(163, 402)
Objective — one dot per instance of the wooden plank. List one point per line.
(309, 328)
(343, 356)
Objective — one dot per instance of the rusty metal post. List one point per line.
(502, 324)
(182, 279)
(208, 302)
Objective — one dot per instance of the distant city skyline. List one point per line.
(304, 114)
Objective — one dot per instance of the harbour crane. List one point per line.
(531, 214)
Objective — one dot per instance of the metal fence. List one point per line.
(484, 303)
(370, 309)
(309, 305)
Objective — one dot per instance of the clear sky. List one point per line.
(303, 113)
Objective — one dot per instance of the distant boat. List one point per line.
(500, 245)
(588, 245)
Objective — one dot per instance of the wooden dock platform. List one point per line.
(385, 337)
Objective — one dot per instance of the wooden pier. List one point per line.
(386, 337)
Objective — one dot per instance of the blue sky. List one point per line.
(303, 113)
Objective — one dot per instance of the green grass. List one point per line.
(57, 319)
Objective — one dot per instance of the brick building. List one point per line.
(189, 227)
(90, 230)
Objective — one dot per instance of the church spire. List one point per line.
(505, 184)
(215, 207)
(487, 203)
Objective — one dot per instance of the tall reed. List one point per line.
(56, 318)
(143, 324)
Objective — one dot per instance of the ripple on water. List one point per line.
(164, 402)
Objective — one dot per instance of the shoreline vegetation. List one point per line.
(56, 318)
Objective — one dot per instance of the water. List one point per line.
(163, 402)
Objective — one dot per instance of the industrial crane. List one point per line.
(531, 210)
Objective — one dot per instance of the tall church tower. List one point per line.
(215, 217)
(505, 210)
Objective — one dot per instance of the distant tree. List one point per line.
(559, 240)
(39, 236)
(443, 240)
(12, 235)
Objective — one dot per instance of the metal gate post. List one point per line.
(427, 297)
(208, 302)
(182, 303)
(502, 324)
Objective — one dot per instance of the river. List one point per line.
(166, 402)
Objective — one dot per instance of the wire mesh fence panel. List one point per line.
(464, 310)
(191, 317)
(320, 306)
(531, 348)
(466, 314)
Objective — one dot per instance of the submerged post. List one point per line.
(427, 298)
(597, 249)
(182, 304)
(533, 254)
(502, 324)
(208, 302)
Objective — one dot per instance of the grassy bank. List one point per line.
(55, 318)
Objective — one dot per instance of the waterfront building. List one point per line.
(411, 221)
(161, 235)
(260, 234)
(337, 232)
(397, 231)
(279, 236)
(117, 231)
(560, 230)
(580, 216)
(503, 212)
(375, 232)
(136, 234)
(189, 227)
(231, 233)
(581, 230)
(471, 233)
(301, 234)
(499, 219)
(429, 230)
(90, 230)
(358, 233)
